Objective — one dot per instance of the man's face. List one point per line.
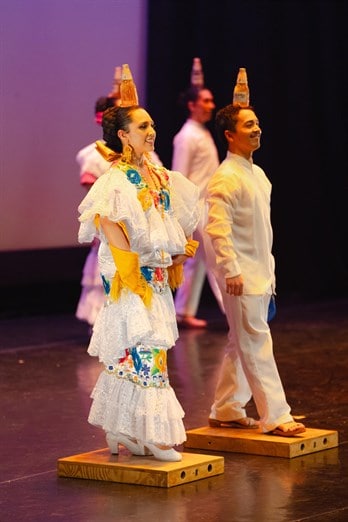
(202, 109)
(246, 137)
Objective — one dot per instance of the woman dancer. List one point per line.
(144, 216)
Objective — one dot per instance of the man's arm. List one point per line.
(222, 197)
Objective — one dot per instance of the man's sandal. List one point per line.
(288, 429)
(243, 423)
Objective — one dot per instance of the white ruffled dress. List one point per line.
(133, 395)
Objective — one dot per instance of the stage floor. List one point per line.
(45, 381)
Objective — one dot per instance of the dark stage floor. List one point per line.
(46, 379)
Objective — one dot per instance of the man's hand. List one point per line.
(179, 259)
(234, 285)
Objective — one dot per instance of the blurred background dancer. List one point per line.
(196, 157)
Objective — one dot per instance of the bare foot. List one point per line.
(288, 429)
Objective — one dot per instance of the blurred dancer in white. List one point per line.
(92, 166)
(195, 155)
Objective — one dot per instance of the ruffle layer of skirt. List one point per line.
(151, 415)
(128, 322)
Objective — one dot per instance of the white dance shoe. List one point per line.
(141, 448)
(167, 455)
(135, 447)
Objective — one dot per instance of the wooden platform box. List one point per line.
(254, 442)
(146, 471)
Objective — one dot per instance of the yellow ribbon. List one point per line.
(107, 153)
(128, 275)
(175, 276)
(191, 247)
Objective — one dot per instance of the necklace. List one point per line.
(157, 192)
(152, 179)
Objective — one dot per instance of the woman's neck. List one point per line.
(138, 161)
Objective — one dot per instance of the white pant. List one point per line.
(248, 368)
(188, 294)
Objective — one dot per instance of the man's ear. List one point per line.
(228, 135)
(190, 105)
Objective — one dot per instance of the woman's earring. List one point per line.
(127, 154)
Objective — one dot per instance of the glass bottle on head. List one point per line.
(128, 90)
(241, 89)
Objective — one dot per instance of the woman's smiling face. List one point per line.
(141, 132)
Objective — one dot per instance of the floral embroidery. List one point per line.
(146, 196)
(106, 285)
(144, 366)
(165, 197)
(160, 361)
(157, 277)
(136, 359)
(159, 274)
(133, 176)
(147, 272)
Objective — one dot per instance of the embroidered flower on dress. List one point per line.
(133, 176)
(160, 361)
(147, 272)
(146, 370)
(159, 274)
(165, 198)
(136, 359)
(106, 285)
(145, 198)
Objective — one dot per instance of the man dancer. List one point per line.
(195, 155)
(240, 230)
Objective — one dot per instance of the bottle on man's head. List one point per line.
(116, 84)
(197, 77)
(241, 90)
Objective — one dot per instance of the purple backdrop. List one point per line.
(56, 59)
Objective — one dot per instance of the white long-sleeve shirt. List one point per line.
(239, 224)
(195, 154)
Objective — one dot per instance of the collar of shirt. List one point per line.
(239, 159)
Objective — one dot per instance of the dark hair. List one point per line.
(114, 119)
(190, 95)
(226, 119)
(103, 103)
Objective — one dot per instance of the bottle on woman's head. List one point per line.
(241, 90)
(128, 90)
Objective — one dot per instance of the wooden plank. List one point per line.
(255, 442)
(147, 471)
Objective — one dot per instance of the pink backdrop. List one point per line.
(56, 59)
